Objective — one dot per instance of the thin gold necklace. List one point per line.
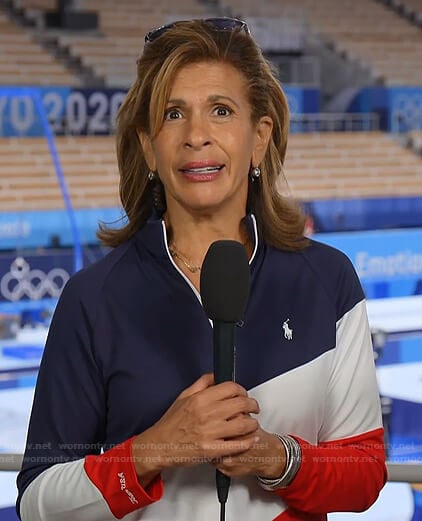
(191, 267)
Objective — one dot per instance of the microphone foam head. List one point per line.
(225, 281)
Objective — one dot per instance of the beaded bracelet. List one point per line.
(293, 461)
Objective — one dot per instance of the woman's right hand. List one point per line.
(204, 423)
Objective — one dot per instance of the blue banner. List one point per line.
(405, 109)
(399, 108)
(33, 281)
(302, 100)
(389, 263)
(34, 276)
(18, 112)
(41, 229)
(69, 110)
(369, 213)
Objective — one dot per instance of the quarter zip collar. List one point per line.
(153, 237)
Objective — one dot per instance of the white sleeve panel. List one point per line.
(352, 404)
(65, 492)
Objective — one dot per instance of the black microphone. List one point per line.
(224, 287)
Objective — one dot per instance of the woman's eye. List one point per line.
(172, 114)
(223, 111)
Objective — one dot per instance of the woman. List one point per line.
(126, 421)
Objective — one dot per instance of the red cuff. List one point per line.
(340, 475)
(113, 473)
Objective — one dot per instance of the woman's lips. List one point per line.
(202, 173)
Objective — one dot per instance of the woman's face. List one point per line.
(207, 143)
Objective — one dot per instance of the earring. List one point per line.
(158, 195)
(255, 173)
(151, 175)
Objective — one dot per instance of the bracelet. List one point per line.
(293, 461)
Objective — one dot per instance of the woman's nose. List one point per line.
(197, 133)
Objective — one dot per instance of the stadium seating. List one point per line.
(25, 62)
(28, 180)
(113, 54)
(366, 31)
(390, 48)
(333, 165)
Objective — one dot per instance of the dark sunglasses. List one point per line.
(221, 24)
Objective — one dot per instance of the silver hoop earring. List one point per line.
(255, 173)
(151, 175)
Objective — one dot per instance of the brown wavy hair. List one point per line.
(279, 218)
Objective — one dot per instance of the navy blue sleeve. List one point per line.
(68, 414)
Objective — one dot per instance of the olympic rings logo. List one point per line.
(21, 281)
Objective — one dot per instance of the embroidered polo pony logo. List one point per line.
(288, 333)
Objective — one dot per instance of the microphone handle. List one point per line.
(224, 355)
(224, 351)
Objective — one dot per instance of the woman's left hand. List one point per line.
(266, 458)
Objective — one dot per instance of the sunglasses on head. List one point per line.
(221, 24)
